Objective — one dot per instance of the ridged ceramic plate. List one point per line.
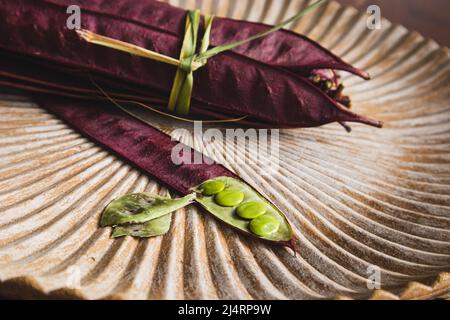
(372, 197)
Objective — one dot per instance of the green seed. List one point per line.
(265, 225)
(251, 210)
(229, 198)
(211, 188)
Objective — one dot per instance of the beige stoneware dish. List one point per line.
(373, 197)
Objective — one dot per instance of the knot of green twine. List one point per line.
(180, 96)
(186, 65)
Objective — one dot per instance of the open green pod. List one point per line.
(140, 208)
(282, 234)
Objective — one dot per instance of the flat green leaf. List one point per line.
(180, 96)
(230, 216)
(140, 208)
(206, 37)
(219, 49)
(153, 228)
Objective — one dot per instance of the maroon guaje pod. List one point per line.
(148, 149)
(268, 92)
(141, 145)
(284, 48)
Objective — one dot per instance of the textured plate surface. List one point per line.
(373, 197)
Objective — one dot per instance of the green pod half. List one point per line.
(284, 235)
(153, 228)
(139, 208)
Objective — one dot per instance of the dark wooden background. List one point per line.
(429, 17)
